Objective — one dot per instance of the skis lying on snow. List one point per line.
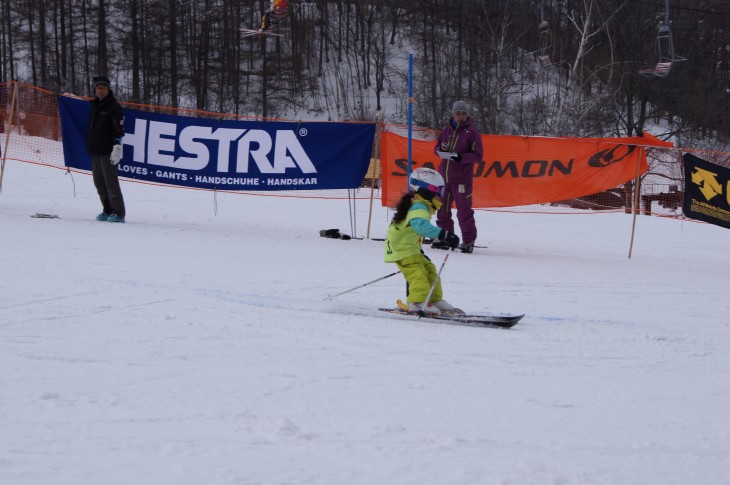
(502, 321)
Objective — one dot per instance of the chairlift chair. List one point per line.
(545, 39)
(664, 45)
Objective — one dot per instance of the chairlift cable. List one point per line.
(688, 8)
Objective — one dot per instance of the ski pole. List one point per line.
(361, 286)
(433, 286)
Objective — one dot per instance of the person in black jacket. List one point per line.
(104, 144)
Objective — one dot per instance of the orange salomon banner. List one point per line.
(522, 170)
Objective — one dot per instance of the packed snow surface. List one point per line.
(194, 345)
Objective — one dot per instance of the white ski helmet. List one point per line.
(427, 179)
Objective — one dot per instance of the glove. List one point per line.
(116, 154)
(456, 158)
(451, 239)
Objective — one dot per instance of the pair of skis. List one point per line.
(456, 317)
(500, 321)
(259, 32)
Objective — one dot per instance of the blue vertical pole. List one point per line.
(410, 114)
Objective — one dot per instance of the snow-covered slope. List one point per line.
(186, 347)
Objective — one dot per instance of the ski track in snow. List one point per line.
(185, 347)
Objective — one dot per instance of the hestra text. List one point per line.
(160, 143)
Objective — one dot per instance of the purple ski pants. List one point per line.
(459, 194)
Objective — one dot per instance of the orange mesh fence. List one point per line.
(31, 125)
(515, 171)
(31, 132)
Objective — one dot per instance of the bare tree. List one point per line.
(341, 59)
(102, 65)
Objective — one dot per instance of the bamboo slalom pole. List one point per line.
(637, 200)
(8, 128)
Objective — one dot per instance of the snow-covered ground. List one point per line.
(188, 347)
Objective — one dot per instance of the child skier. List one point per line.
(411, 223)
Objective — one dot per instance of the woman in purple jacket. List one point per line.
(460, 138)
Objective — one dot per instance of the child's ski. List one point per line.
(502, 321)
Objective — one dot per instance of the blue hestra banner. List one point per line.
(225, 154)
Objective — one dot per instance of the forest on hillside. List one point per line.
(553, 67)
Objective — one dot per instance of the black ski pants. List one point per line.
(106, 180)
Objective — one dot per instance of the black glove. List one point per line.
(456, 158)
(451, 239)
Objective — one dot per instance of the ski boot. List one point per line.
(424, 309)
(447, 308)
